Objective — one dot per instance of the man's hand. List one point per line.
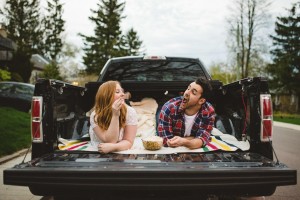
(176, 141)
(189, 142)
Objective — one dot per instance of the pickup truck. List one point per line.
(60, 110)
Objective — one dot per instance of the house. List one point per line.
(7, 47)
(39, 64)
(286, 103)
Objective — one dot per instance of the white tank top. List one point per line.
(189, 121)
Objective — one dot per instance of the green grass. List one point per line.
(14, 130)
(287, 118)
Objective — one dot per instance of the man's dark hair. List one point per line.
(205, 84)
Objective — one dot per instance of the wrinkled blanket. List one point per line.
(146, 111)
(219, 141)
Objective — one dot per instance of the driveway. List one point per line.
(8, 192)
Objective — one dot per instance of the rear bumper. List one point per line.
(151, 179)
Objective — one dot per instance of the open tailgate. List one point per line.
(209, 173)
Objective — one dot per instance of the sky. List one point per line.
(189, 28)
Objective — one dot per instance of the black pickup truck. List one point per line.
(59, 110)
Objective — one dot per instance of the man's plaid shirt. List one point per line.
(171, 121)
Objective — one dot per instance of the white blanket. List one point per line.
(146, 110)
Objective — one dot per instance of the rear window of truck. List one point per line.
(154, 71)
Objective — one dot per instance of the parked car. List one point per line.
(17, 95)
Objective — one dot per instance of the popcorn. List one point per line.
(152, 143)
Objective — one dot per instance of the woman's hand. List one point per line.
(106, 147)
(117, 106)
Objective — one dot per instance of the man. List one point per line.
(188, 120)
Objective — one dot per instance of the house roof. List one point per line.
(39, 62)
(7, 44)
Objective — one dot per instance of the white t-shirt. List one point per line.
(188, 122)
(131, 119)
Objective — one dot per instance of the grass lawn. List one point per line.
(287, 118)
(14, 130)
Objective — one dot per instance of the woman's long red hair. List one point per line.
(103, 105)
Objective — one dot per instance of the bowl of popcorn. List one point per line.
(152, 143)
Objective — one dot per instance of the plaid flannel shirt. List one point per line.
(171, 121)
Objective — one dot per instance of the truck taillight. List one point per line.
(266, 130)
(36, 119)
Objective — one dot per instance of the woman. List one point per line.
(113, 123)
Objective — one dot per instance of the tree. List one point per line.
(285, 69)
(53, 28)
(250, 17)
(132, 43)
(68, 65)
(222, 72)
(108, 40)
(51, 71)
(4, 75)
(21, 67)
(105, 44)
(24, 28)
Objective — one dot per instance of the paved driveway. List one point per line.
(8, 192)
